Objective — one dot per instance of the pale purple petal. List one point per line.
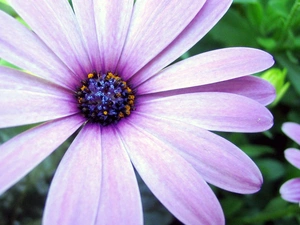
(25, 105)
(85, 14)
(154, 25)
(173, 180)
(104, 25)
(55, 23)
(12, 79)
(252, 87)
(208, 68)
(30, 99)
(120, 201)
(22, 153)
(75, 189)
(33, 56)
(292, 130)
(210, 110)
(290, 190)
(293, 156)
(206, 18)
(218, 161)
(112, 21)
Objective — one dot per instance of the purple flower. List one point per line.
(290, 190)
(101, 69)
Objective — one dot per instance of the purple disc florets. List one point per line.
(104, 98)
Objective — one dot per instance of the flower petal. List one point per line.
(29, 99)
(252, 87)
(23, 105)
(211, 111)
(119, 189)
(55, 23)
(104, 25)
(12, 79)
(208, 68)
(292, 130)
(87, 23)
(290, 190)
(22, 153)
(293, 156)
(207, 17)
(154, 25)
(218, 161)
(174, 182)
(77, 182)
(33, 56)
(112, 20)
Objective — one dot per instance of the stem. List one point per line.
(288, 22)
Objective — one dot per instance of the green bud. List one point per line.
(277, 78)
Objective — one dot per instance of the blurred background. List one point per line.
(270, 25)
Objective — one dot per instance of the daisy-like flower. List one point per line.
(101, 67)
(290, 190)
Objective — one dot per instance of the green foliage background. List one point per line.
(270, 25)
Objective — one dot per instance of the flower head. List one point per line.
(290, 190)
(101, 67)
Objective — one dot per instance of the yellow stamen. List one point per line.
(90, 75)
(131, 97)
(110, 75)
(127, 109)
(130, 102)
(129, 90)
(121, 115)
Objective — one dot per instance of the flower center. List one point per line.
(105, 98)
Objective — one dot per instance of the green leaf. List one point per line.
(293, 71)
(245, 1)
(276, 214)
(275, 204)
(272, 169)
(234, 29)
(267, 43)
(255, 13)
(257, 150)
(279, 7)
(231, 205)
